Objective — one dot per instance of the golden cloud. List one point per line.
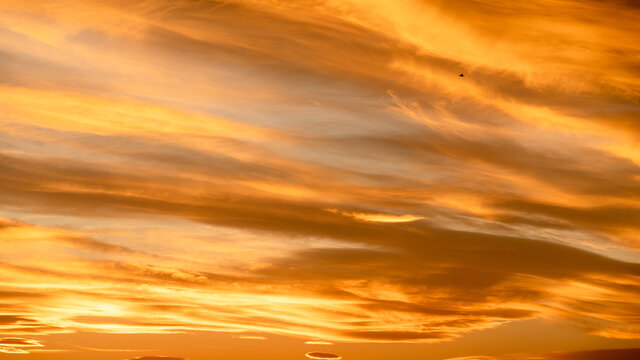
(16, 345)
(318, 169)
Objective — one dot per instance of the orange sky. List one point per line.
(281, 180)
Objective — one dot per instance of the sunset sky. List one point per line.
(312, 179)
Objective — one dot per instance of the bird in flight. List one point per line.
(461, 75)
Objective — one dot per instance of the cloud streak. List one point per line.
(317, 169)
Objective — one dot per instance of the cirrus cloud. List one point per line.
(318, 169)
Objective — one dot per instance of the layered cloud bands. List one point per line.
(318, 168)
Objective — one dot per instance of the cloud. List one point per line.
(318, 169)
(318, 342)
(320, 355)
(249, 337)
(16, 345)
(385, 218)
(12, 350)
(19, 342)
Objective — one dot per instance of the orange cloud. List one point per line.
(320, 355)
(318, 342)
(16, 345)
(318, 169)
(19, 342)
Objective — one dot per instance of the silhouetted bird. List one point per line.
(461, 75)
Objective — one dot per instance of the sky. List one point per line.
(315, 179)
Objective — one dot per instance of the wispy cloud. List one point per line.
(318, 169)
(16, 345)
